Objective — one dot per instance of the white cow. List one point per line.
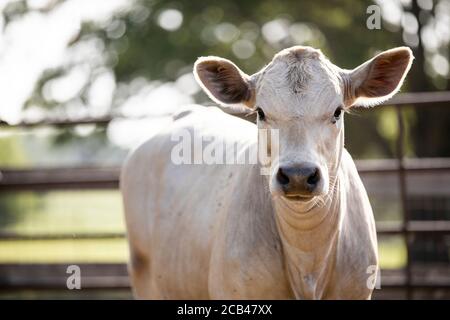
(221, 231)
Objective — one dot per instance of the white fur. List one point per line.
(225, 231)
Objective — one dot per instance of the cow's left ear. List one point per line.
(224, 82)
(379, 78)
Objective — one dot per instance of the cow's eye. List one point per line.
(337, 114)
(261, 115)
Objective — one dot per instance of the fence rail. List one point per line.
(45, 179)
(108, 177)
(114, 276)
(431, 228)
(416, 99)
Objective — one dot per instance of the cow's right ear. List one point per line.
(224, 82)
(381, 77)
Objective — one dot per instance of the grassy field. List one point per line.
(69, 212)
(99, 211)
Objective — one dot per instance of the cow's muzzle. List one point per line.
(301, 181)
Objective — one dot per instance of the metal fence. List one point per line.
(113, 276)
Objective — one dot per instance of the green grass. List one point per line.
(70, 212)
(392, 252)
(64, 251)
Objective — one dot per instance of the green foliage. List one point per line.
(142, 48)
(12, 155)
(133, 44)
(11, 150)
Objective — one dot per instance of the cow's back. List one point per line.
(173, 210)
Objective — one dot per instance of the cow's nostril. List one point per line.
(282, 178)
(314, 178)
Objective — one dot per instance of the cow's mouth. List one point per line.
(298, 198)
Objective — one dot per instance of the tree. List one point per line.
(158, 41)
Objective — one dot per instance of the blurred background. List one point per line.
(82, 82)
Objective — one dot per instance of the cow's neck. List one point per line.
(309, 233)
(309, 244)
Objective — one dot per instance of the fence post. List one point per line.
(404, 199)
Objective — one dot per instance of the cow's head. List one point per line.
(303, 95)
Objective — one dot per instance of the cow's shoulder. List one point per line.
(358, 245)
